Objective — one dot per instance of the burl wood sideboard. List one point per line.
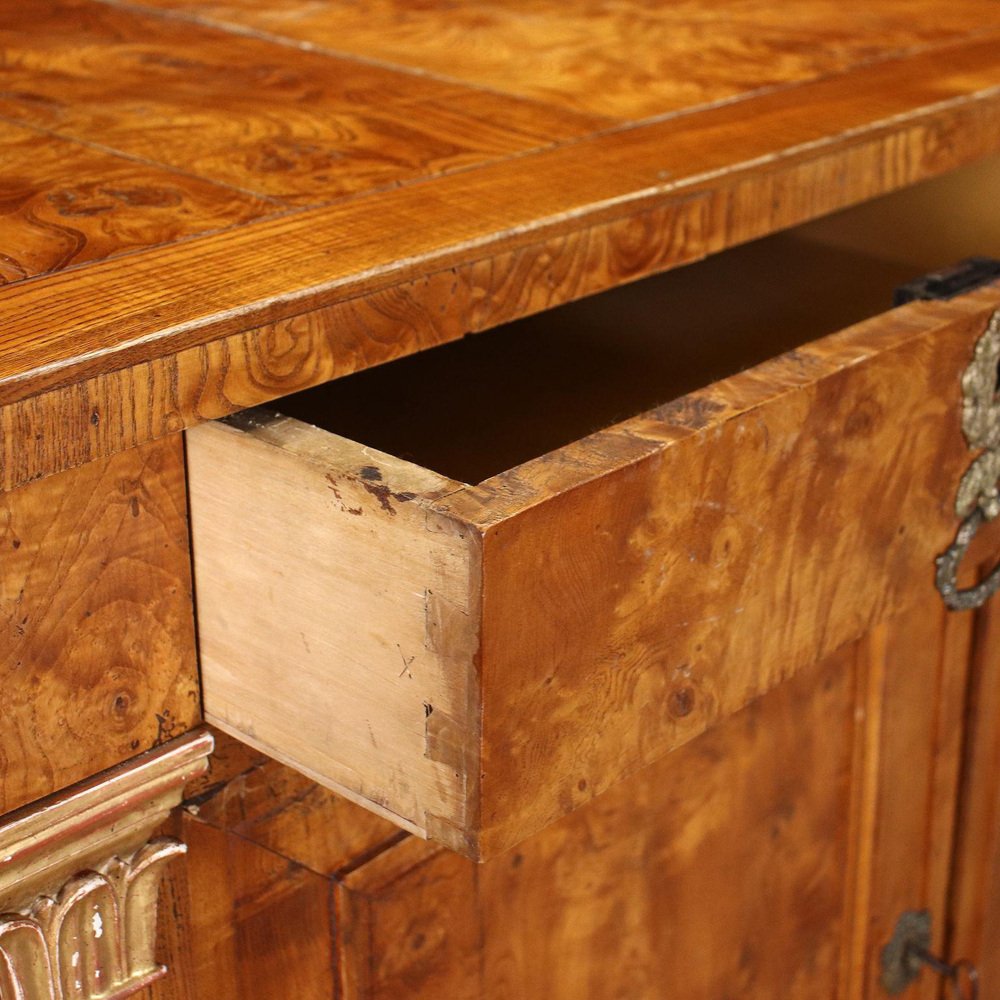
(498, 500)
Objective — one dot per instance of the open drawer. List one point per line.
(510, 593)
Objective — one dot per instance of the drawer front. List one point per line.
(755, 527)
(476, 661)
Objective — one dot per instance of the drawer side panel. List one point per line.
(337, 616)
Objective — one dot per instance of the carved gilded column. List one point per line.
(80, 876)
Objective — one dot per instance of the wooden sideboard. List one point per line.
(603, 654)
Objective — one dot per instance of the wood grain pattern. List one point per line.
(64, 204)
(302, 127)
(627, 59)
(98, 660)
(766, 858)
(719, 871)
(573, 219)
(596, 643)
(251, 913)
(771, 478)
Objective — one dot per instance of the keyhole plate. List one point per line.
(900, 964)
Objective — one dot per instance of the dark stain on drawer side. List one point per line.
(694, 411)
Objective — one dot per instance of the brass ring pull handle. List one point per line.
(978, 498)
(947, 569)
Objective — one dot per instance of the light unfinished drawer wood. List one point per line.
(471, 591)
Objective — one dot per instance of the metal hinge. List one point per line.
(966, 276)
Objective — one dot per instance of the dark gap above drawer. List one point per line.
(489, 402)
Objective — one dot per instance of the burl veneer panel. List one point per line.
(718, 872)
(626, 60)
(98, 660)
(768, 858)
(287, 123)
(64, 204)
(555, 152)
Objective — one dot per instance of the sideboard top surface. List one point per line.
(211, 203)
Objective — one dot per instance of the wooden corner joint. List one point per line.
(80, 877)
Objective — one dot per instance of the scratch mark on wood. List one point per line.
(407, 662)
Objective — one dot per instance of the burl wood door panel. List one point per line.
(476, 629)
(98, 659)
(768, 858)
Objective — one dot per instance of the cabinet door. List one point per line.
(768, 858)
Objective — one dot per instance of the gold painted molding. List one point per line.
(80, 878)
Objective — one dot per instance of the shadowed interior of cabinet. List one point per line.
(476, 407)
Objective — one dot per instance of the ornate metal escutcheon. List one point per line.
(978, 498)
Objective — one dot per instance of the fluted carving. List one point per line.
(80, 880)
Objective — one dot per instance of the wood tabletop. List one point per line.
(207, 204)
